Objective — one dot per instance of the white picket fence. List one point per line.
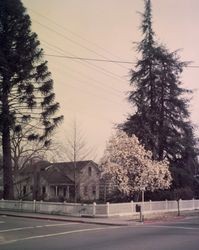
(97, 210)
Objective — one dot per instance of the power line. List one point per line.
(77, 35)
(91, 59)
(194, 66)
(89, 92)
(95, 82)
(104, 60)
(89, 64)
(91, 83)
(106, 72)
(91, 50)
(71, 40)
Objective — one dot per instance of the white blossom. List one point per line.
(129, 167)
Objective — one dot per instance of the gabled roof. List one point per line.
(69, 166)
(57, 173)
(37, 166)
(54, 176)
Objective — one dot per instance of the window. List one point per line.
(43, 190)
(89, 171)
(24, 190)
(94, 190)
(58, 191)
(53, 190)
(85, 190)
(64, 191)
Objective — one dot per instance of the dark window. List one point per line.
(89, 171)
(24, 190)
(43, 190)
(94, 190)
(85, 190)
(64, 192)
(53, 190)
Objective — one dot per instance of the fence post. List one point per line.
(178, 203)
(94, 209)
(40, 205)
(193, 202)
(20, 205)
(34, 206)
(107, 209)
(166, 205)
(132, 207)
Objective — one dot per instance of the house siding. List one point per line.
(90, 181)
(37, 186)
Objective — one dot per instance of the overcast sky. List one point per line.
(94, 93)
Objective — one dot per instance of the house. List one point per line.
(56, 181)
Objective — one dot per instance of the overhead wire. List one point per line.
(94, 81)
(78, 36)
(84, 58)
(90, 59)
(80, 81)
(71, 40)
(88, 85)
(89, 64)
(91, 93)
(119, 61)
(104, 60)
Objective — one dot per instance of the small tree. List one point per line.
(75, 149)
(26, 151)
(129, 167)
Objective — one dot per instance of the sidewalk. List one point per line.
(113, 221)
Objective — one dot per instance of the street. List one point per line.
(25, 234)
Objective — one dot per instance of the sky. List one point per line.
(95, 93)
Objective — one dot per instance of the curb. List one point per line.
(62, 219)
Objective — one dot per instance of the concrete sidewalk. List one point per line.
(113, 221)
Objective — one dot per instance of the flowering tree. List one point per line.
(129, 167)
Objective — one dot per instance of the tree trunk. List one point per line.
(6, 145)
(161, 136)
(75, 182)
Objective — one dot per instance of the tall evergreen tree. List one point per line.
(161, 120)
(26, 87)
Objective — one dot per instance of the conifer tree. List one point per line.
(161, 121)
(26, 87)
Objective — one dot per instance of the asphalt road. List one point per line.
(29, 234)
